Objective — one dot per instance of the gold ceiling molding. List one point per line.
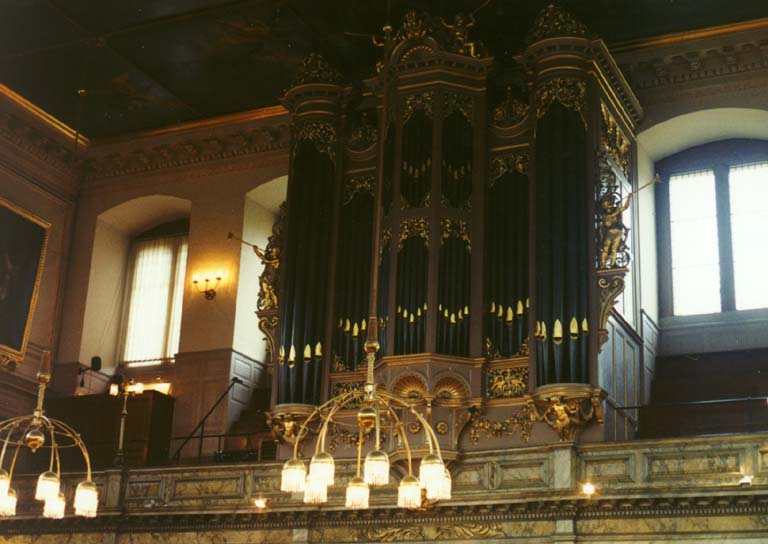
(43, 116)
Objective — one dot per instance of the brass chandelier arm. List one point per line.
(304, 429)
(432, 441)
(400, 429)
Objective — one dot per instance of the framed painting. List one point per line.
(23, 243)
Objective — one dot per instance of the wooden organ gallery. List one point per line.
(486, 209)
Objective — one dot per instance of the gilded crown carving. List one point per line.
(554, 22)
(315, 69)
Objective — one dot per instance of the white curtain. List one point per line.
(153, 318)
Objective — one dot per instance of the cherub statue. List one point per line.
(612, 229)
(459, 34)
(413, 27)
(268, 256)
(562, 418)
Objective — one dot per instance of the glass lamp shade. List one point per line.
(409, 493)
(376, 468)
(47, 486)
(322, 468)
(5, 482)
(294, 476)
(86, 499)
(442, 491)
(8, 503)
(431, 471)
(54, 508)
(358, 493)
(315, 491)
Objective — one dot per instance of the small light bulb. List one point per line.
(746, 480)
(195, 278)
(588, 489)
(260, 503)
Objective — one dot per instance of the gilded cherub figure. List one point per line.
(562, 418)
(459, 34)
(612, 229)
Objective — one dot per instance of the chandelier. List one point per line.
(377, 410)
(38, 432)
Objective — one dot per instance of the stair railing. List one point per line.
(201, 426)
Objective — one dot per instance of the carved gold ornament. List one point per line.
(554, 22)
(516, 161)
(315, 69)
(614, 142)
(510, 111)
(432, 533)
(358, 184)
(507, 382)
(568, 91)
(519, 423)
(611, 285)
(418, 226)
(455, 228)
(458, 102)
(323, 135)
(412, 103)
(362, 136)
(441, 428)
(566, 415)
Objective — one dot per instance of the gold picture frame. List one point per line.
(23, 247)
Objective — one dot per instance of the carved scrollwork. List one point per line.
(512, 162)
(417, 226)
(611, 285)
(510, 111)
(518, 423)
(411, 103)
(358, 184)
(362, 136)
(458, 102)
(340, 388)
(455, 228)
(569, 92)
(553, 22)
(432, 533)
(504, 383)
(614, 142)
(323, 135)
(315, 69)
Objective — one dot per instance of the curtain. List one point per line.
(155, 292)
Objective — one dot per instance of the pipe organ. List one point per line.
(501, 242)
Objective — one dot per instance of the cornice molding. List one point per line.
(628, 507)
(114, 161)
(706, 57)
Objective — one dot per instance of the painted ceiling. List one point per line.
(152, 63)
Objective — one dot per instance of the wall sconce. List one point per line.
(208, 288)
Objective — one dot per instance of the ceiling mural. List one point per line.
(151, 63)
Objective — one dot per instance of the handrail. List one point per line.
(177, 455)
(693, 403)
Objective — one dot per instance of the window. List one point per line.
(712, 209)
(155, 292)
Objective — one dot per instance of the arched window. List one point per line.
(712, 218)
(154, 292)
